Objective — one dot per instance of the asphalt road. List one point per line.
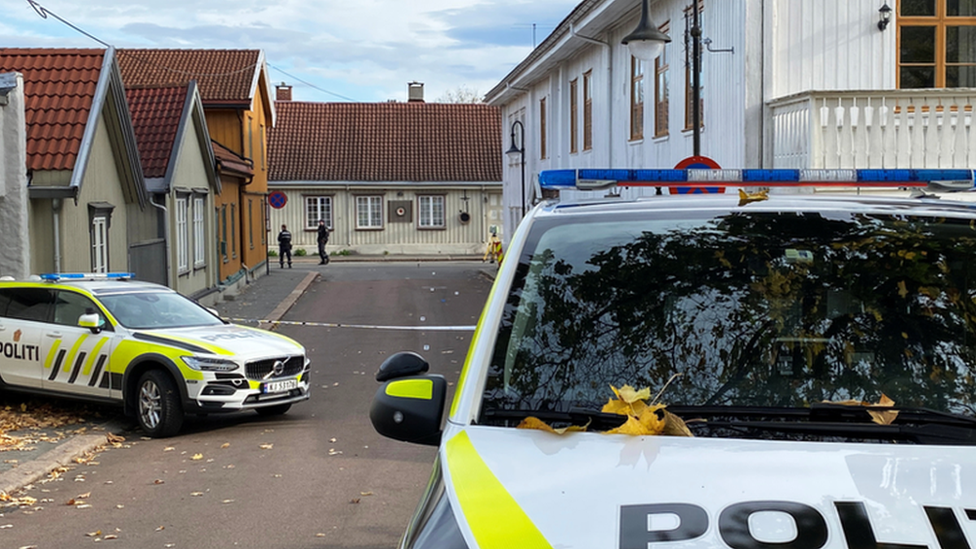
(318, 477)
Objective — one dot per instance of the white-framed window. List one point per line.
(431, 212)
(99, 237)
(199, 244)
(316, 208)
(369, 212)
(182, 236)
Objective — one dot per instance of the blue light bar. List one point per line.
(601, 178)
(54, 277)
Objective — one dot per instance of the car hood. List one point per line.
(590, 490)
(227, 339)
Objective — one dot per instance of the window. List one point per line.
(431, 210)
(937, 44)
(636, 98)
(28, 303)
(199, 246)
(69, 306)
(222, 232)
(573, 114)
(661, 87)
(542, 129)
(369, 212)
(182, 236)
(233, 230)
(318, 207)
(689, 99)
(250, 137)
(250, 222)
(261, 137)
(99, 242)
(587, 111)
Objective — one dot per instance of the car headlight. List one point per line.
(210, 364)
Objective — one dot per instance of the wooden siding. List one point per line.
(483, 204)
(230, 189)
(191, 173)
(101, 183)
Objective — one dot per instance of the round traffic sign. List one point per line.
(277, 200)
(697, 162)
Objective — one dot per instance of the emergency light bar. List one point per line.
(54, 277)
(596, 179)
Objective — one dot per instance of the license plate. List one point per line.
(279, 386)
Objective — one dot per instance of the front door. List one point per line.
(76, 359)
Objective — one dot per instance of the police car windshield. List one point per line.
(157, 310)
(753, 308)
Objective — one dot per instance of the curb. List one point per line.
(288, 302)
(61, 456)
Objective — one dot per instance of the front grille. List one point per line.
(257, 370)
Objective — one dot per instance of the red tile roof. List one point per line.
(224, 76)
(385, 142)
(59, 86)
(156, 114)
(230, 162)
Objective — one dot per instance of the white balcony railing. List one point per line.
(873, 129)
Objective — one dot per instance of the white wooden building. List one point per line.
(784, 84)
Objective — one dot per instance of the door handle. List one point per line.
(55, 335)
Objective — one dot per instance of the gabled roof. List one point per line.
(156, 114)
(417, 142)
(59, 87)
(227, 78)
(62, 89)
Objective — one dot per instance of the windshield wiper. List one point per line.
(919, 425)
(597, 421)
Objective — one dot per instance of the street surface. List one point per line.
(318, 477)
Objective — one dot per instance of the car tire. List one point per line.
(276, 410)
(158, 407)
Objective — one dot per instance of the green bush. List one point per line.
(300, 252)
(342, 252)
(272, 253)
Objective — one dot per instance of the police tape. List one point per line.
(355, 326)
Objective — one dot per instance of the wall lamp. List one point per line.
(884, 16)
(519, 151)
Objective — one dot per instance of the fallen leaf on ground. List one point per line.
(225, 445)
(355, 500)
(197, 457)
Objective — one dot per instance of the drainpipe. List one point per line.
(608, 57)
(56, 208)
(166, 238)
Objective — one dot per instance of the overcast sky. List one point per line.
(361, 50)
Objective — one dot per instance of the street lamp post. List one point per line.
(696, 33)
(519, 150)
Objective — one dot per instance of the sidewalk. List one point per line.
(266, 298)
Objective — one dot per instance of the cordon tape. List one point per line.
(357, 326)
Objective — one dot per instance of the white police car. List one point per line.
(107, 338)
(816, 355)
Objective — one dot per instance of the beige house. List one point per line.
(180, 170)
(387, 178)
(88, 208)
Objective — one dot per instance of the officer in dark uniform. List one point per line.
(323, 238)
(284, 246)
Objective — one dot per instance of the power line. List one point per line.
(309, 84)
(44, 13)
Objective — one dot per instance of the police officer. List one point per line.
(323, 239)
(284, 246)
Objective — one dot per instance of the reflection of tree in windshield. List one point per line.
(752, 309)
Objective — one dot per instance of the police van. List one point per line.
(748, 369)
(109, 338)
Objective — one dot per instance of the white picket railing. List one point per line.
(873, 129)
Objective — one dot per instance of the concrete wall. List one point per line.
(14, 209)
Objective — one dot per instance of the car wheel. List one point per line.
(158, 408)
(273, 410)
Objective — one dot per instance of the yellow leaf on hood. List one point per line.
(630, 395)
(746, 198)
(885, 417)
(532, 422)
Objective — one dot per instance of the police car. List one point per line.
(108, 338)
(808, 360)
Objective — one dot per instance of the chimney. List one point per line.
(283, 92)
(415, 92)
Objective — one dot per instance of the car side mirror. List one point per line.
(410, 408)
(92, 321)
(401, 364)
